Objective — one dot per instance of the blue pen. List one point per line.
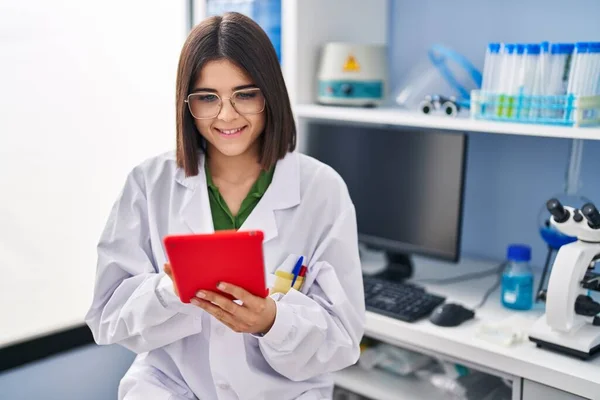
(296, 269)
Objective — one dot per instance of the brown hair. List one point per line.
(240, 40)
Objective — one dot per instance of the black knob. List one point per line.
(557, 210)
(590, 212)
(577, 217)
(542, 296)
(586, 306)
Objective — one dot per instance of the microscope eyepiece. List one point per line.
(557, 210)
(590, 212)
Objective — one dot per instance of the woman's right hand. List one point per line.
(168, 271)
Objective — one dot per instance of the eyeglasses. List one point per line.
(207, 105)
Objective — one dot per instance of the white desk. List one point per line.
(460, 343)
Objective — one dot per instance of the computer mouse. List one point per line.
(450, 314)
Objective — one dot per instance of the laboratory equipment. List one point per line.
(352, 74)
(445, 73)
(555, 84)
(571, 323)
(406, 185)
(491, 68)
(553, 237)
(448, 105)
(517, 279)
(403, 301)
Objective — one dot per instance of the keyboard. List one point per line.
(404, 301)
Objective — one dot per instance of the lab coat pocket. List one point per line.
(291, 273)
(283, 282)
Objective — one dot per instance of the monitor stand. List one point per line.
(399, 267)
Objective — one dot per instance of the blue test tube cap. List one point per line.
(562, 48)
(581, 47)
(494, 47)
(520, 48)
(509, 48)
(532, 49)
(594, 47)
(544, 47)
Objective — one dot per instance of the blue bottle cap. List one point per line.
(532, 49)
(544, 47)
(509, 48)
(494, 47)
(519, 252)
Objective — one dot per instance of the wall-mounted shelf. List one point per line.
(381, 385)
(399, 117)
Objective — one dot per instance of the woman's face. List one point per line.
(228, 130)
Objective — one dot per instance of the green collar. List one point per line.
(258, 189)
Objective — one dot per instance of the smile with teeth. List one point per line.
(229, 132)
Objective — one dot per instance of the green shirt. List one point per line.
(222, 217)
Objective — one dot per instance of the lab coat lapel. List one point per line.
(195, 207)
(283, 192)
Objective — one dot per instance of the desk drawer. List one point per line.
(536, 391)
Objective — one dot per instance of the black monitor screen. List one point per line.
(406, 184)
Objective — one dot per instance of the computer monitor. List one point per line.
(406, 184)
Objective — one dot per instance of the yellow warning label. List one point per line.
(351, 64)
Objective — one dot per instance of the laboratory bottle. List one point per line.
(517, 278)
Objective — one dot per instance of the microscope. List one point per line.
(571, 323)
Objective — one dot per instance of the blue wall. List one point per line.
(509, 178)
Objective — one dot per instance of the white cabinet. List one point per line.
(534, 391)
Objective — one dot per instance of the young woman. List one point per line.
(234, 168)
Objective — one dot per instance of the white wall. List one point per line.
(87, 91)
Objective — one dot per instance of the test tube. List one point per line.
(579, 69)
(540, 81)
(491, 67)
(561, 61)
(489, 84)
(504, 75)
(513, 79)
(526, 78)
(592, 85)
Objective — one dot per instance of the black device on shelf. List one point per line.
(407, 186)
(403, 301)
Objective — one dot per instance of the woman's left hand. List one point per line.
(256, 314)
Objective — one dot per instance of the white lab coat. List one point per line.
(185, 353)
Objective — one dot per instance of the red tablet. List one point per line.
(201, 261)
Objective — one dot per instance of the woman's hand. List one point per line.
(256, 314)
(168, 271)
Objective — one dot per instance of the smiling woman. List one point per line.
(220, 57)
(234, 168)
